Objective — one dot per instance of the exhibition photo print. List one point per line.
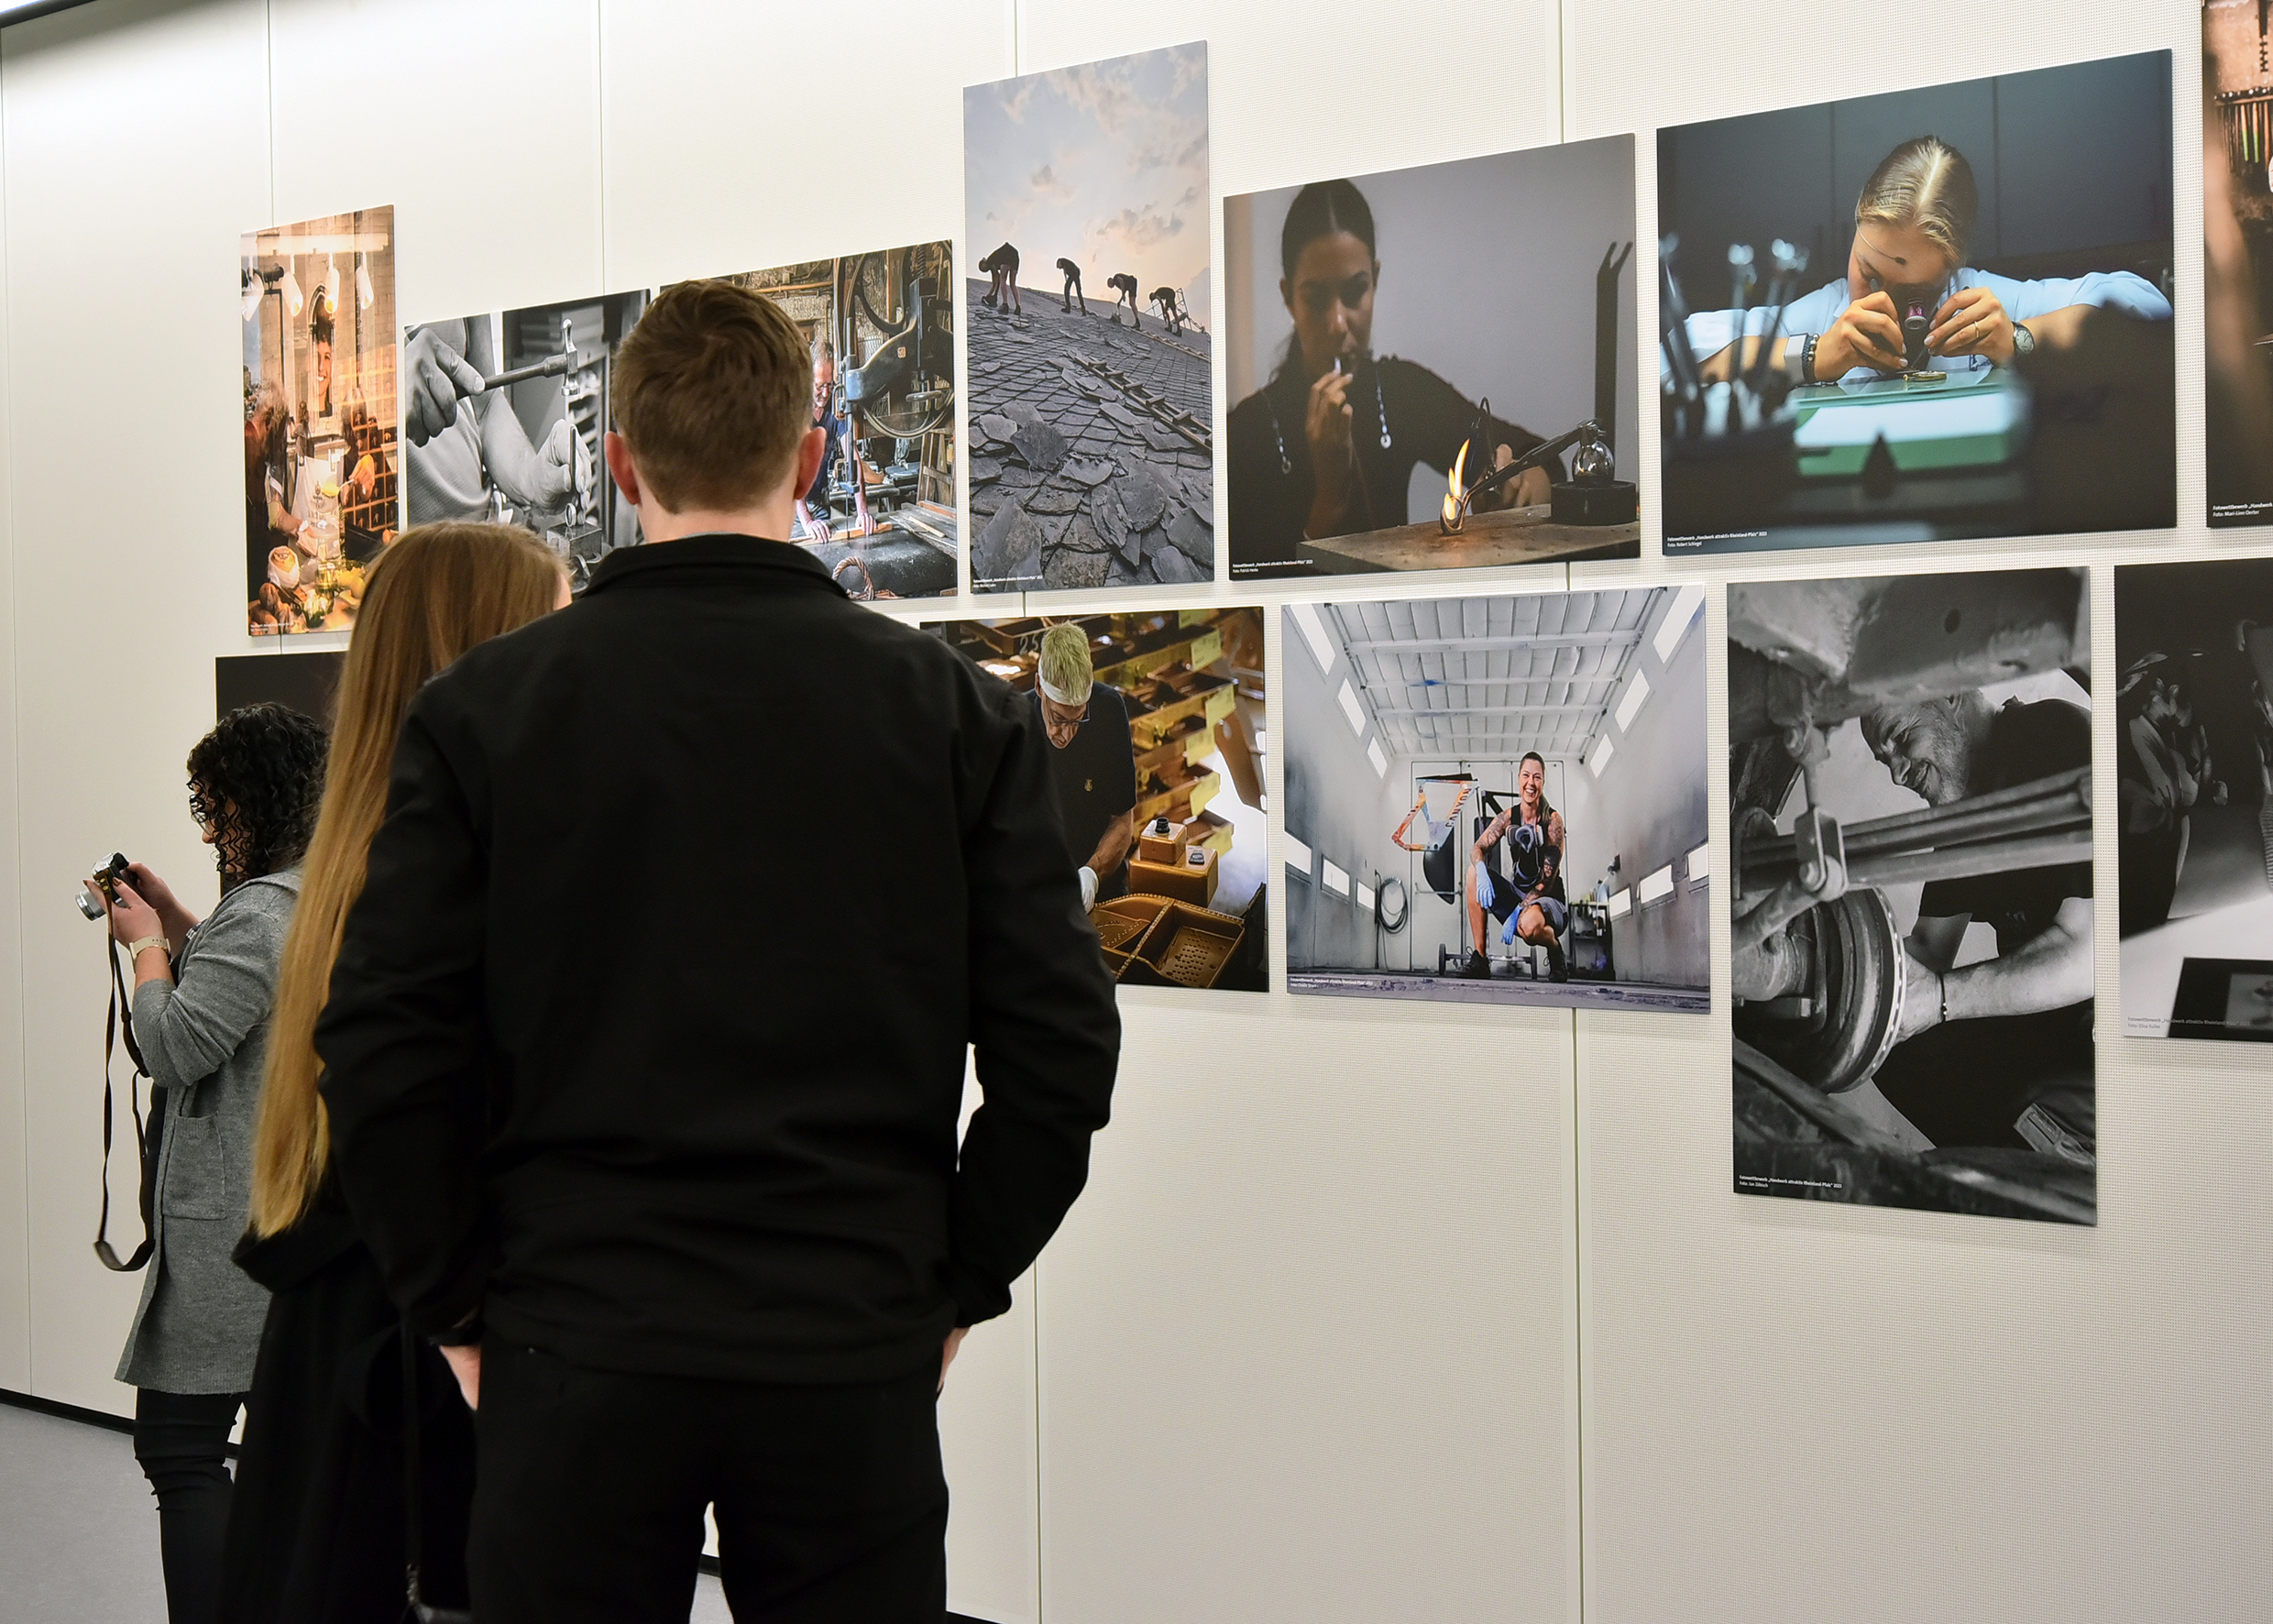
(321, 448)
(1156, 722)
(1927, 315)
(1433, 368)
(1910, 820)
(1091, 418)
(2194, 797)
(1500, 800)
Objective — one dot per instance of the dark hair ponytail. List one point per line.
(1321, 209)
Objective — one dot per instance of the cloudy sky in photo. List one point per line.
(1104, 164)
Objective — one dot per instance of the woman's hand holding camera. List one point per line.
(131, 917)
(173, 918)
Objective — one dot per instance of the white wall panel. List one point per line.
(739, 136)
(478, 122)
(136, 147)
(1307, 1339)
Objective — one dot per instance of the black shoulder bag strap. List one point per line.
(118, 1023)
(415, 1608)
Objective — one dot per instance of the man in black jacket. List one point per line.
(628, 1094)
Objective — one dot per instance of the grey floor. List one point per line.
(79, 1534)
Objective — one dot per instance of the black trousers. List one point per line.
(831, 1502)
(182, 1439)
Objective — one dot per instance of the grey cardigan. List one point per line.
(205, 1036)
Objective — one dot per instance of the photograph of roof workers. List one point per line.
(1499, 799)
(320, 417)
(881, 328)
(1093, 440)
(1910, 789)
(1155, 723)
(1974, 340)
(504, 412)
(1383, 375)
(2194, 797)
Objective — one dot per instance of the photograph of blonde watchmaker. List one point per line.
(318, 307)
(879, 515)
(1500, 800)
(1395, 409)
(1910, 818)
(1929, 315)
(1156, 721)
(505, 414)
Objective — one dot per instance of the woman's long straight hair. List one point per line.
(439, 590)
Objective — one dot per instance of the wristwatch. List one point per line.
(2023, 341)
(134, 949)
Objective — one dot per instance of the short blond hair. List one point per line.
(1066, 665)
(1924, 185)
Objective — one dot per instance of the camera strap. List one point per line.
(117, 1024)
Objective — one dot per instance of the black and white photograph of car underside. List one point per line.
(1910, 787)
(1500, 800)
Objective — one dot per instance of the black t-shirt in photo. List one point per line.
(1095, 780)
(1968, 1082)
(1270, 482)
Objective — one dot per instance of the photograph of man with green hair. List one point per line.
(1093, 764)
(1153, 723)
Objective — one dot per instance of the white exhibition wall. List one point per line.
(1371, 1311)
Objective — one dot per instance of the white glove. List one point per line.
(1088, 888)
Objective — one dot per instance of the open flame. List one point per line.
(1455, 509)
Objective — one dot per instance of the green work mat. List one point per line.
(1974, 419)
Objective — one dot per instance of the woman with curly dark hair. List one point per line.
(202, 989)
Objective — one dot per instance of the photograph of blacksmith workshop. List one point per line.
(1928, 315)
(2237, 258)
(1157, 724)
(881, 512)
(318, 318)
(2194, 798)
(1433, 367)
(505, 414)
(1500, 800)
(1092, 422)
(1910, 798)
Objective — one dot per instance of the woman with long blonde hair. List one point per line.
(317, 1529)
(1906, 299)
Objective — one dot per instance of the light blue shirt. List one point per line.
(1713, 331)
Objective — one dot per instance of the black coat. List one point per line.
(648, 1034)
(316, 1523)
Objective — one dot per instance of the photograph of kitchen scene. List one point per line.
(881, 327)
(505, 414)
(1500, 800)
(1157, 725)
(318, 319)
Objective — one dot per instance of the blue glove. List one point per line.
(1483, 885)
(1507, 936)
